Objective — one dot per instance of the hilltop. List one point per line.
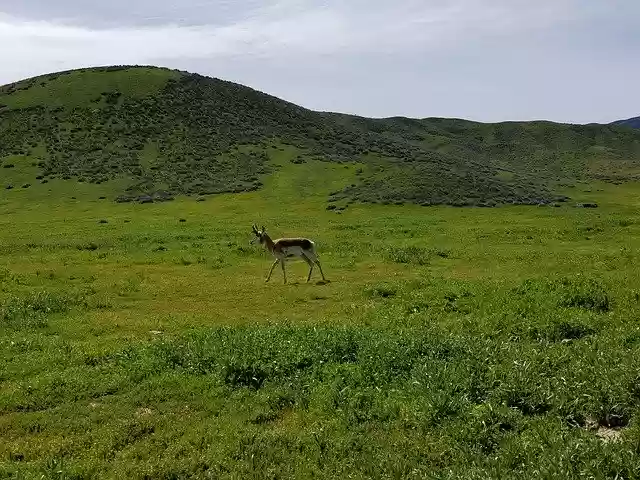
(163, 132)
(629, 122)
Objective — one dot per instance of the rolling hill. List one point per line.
(629, 122)
(164, 132)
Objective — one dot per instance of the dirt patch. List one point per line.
(604, 433)
(607, 434)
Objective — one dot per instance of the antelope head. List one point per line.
(258, 233)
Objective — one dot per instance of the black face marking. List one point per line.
(260, 234)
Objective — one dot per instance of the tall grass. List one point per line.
(456, 403)
(31, 311)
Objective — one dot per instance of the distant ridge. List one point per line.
(630, 122)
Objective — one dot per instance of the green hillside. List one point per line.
(162, 133)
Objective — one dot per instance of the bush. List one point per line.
(412, 255)
(587, 294)
(31, 311)
(383, 291)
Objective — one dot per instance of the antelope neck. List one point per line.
(268, 242)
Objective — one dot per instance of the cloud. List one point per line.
(223, 12)
(291, 27)
(284, 28)
(120, 13)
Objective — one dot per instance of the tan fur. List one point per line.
(284, 248)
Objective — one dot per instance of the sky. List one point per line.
(574, 61)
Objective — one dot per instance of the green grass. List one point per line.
(161, 133)
(450, 343)
(80, 88)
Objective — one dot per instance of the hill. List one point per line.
(164, 133)
(630, 122)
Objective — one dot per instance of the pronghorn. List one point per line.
(284, 248)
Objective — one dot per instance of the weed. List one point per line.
(382, 291)
(31, 311)
(91, 246)
(410, 255)
(244, 376)
(587, 294)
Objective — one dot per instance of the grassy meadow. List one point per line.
(140, 341)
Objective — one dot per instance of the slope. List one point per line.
(629, 122)
(162, 133)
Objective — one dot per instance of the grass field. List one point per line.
(140, 341)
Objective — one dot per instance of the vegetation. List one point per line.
(163, 133)
(140, 341)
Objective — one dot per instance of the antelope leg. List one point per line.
(320, 266)
(310, 263)
(271, 270)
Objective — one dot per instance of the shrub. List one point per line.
(586, 294)
(91, 246)
(32, 311)
(412, 255)
(383, 291)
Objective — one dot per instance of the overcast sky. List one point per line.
(488, 60)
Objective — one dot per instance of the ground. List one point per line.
(141, 341)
